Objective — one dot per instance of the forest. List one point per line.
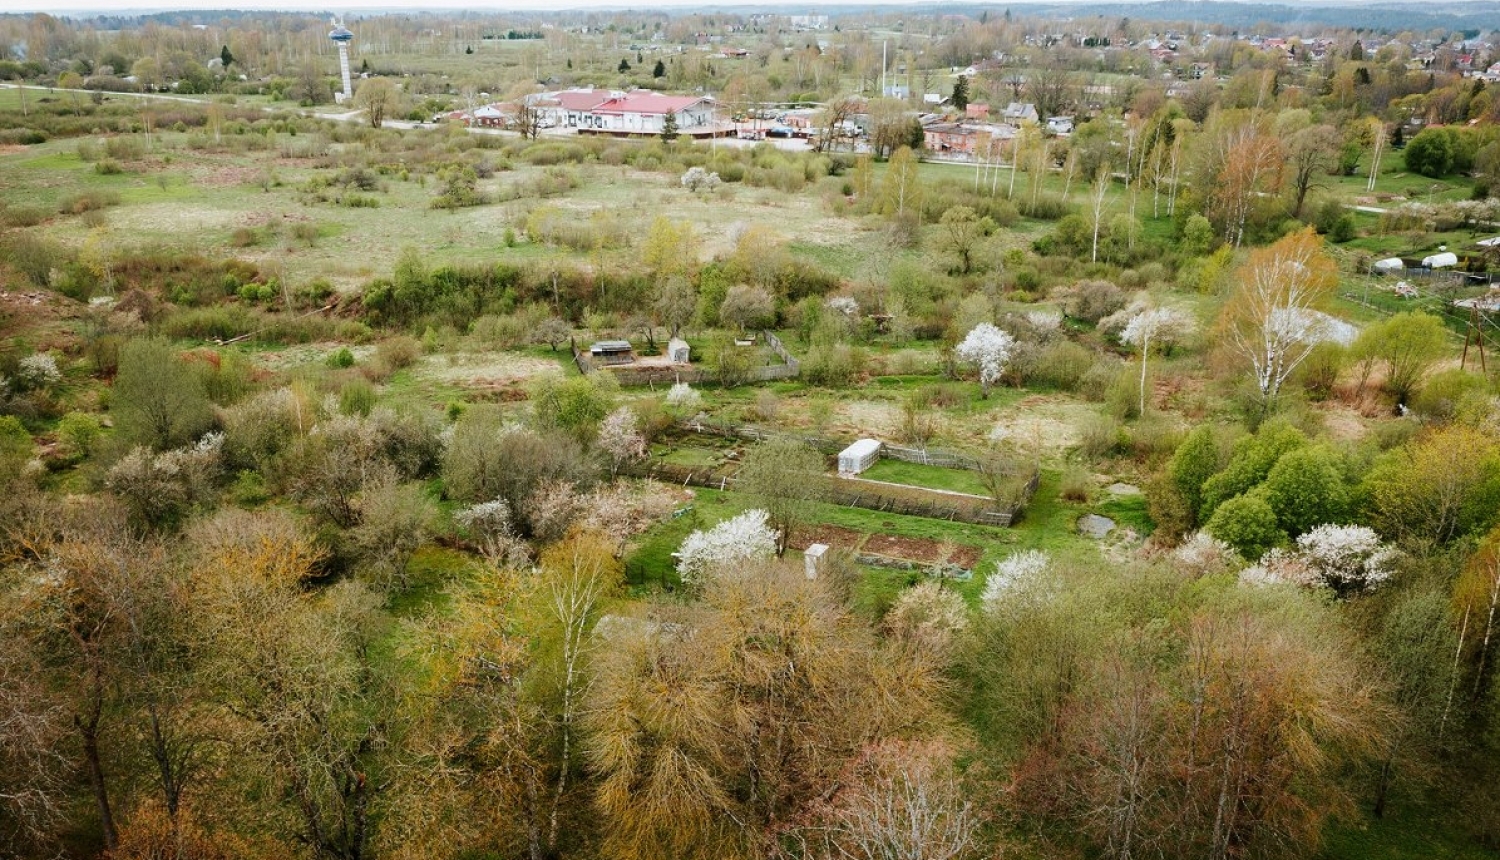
(379, 483)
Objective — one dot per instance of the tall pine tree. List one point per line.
(961, 92)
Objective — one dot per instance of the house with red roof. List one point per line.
(644, 112)
(568, 108)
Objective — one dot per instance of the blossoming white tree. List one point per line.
(620, 437)
(1203, 554)
(1346, 559)
(988, 348)
(698, 178)
(737, 539)
(1154, 324)
(1011, 575)
(489, 525)
(684, 398)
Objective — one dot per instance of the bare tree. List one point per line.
(832, 121)
(899, 801)
(527, 120)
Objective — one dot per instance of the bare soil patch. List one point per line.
(922, 550)
(833, 536)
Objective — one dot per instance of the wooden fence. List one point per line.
(695, 375)
(924, 456)
(886, 498)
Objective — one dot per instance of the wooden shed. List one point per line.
(612, 352)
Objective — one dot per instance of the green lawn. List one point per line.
(931, 477)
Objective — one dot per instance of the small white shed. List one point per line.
(1441, 261)
(678, 351)
(858, 457)
(812, 559)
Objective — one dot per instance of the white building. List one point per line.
(858, 457)
(646, 112)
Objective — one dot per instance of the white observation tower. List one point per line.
(342, 38)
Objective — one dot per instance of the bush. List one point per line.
(1093, 300)
(1099, 437)
(1439, 398)
(1248, 524)
(158, 399)
(341, 359)
(356, 397)
(398, 352)
(1306, 488)
(1063, 365)
(77, 433)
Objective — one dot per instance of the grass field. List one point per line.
(931, 477)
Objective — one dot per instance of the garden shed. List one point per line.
(858, 457)
(678, 351)
(612, 352)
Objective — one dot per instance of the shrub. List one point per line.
(1247, 524)
(398, 352)
(1306, 488)
(341, 359)
(394, 519)
(77, 433)
(158, 399)
(1099, 437)
(1093, 300)
(356, 397)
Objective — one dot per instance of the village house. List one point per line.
(1019, 112)
(967, 140)
(646, 112)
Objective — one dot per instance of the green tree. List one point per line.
(960, 97)
(659, 70)
(1306, 489)
(1251, 462)
(1431, 153)
(72, 81)
(901, 189)
(1441, 486)
(1193, 463)
(225, 57)
(1197, 235)
(669, 126)
(575, 404)
(963, 231)
(378, 98)
(158, 399)
(1408, 344)
(624, 67)
(784, 477)
(1248, 524)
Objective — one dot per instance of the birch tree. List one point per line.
(1273, 318)
(1149, 325)
(579, 573)
(900, 191)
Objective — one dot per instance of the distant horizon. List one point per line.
(135, 7)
